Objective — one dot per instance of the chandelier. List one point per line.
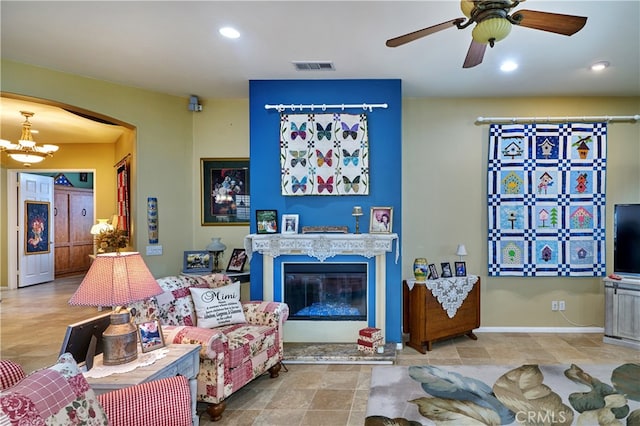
(26, 151)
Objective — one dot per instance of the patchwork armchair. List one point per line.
(60, 395)
(232, 354)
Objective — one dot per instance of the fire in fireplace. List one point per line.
(326, 291)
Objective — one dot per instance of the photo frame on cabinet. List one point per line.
(461, 269)
(151, 337)
(237, 260)
(381, 220)
(266, 221)
(290, 223)
(224, 187)
(196, 261)
(36, 221)
(433, 272)
(446, 270)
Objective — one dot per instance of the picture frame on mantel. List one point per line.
(225, 191)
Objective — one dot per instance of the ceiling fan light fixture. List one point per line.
(491, 30)
(467, 6)
(229, 32)
(508, 66)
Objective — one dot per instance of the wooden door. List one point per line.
(75, 214)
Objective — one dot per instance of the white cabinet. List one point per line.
(622, 312)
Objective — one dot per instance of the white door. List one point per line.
(35, 247)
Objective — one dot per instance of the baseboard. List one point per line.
(539, 330)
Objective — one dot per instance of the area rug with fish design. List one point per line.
(563, 394)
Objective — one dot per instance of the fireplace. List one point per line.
(330, 249)
(325, 291)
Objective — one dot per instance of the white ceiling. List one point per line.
(174, 47)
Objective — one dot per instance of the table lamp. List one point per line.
(216, 248)
(117, 279)
(461, 251)
(357, 212)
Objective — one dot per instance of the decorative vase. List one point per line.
(420, 269)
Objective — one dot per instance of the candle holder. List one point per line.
(357, 212)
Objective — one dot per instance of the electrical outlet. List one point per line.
(561, 305)
(554, 305)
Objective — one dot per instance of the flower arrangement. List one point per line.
(112, 240)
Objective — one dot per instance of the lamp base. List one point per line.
(120, 340)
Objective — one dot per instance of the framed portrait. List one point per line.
(36, 234)
(197, 261)
(290, 223)
(446, 269)
(381, 220)
(224, 184)
(150, 334)
(461, 269)
(267, 221)
(433, 272)
(237, 261)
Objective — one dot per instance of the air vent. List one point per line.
(314, 66)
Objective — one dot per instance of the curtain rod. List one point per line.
(323, 107)
(519, 120)
(123, 159)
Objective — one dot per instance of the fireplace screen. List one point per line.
(326, 291)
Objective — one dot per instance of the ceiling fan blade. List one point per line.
(474, 54)
(552, 22)
(403, 39)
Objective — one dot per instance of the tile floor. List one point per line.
(33, 321)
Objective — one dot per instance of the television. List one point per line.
(626, 240)
(83, 339)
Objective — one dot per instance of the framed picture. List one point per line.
(461, 269)
(37, 219)
(381, 220)
(224, 185)
(267, 221)
(290, 223)
(446, 269)
(197, 261)
(151, 337)
(433, 272)
(237, 261)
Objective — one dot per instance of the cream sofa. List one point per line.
(231, 355)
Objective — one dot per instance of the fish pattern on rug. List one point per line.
(503, 395)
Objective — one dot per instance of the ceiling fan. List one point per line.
(493, 23)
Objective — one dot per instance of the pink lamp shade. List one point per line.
(116, 279)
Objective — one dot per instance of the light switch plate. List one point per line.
(155, 250)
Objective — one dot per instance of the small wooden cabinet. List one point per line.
(73, 218)
(426, 321)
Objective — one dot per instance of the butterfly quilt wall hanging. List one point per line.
(324, 154)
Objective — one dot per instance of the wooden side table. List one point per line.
(183, 360)
(426, 321)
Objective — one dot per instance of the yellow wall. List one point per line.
(444, 199)
(443, 173)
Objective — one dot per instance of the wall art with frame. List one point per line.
(36, 219)
(224, 184)
(267, 221)
(381, 220)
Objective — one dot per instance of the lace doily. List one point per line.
(144, 359)
(450, 292)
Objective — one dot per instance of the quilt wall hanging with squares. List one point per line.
(546, 199)
(324, 154)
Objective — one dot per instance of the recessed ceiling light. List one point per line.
(229, 32)
(599, 66)
(508, 66)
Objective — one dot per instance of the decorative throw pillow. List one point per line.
(218, 306)
(58, 395)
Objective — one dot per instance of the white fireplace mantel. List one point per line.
(321, 246)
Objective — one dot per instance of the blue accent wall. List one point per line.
(385, 159)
